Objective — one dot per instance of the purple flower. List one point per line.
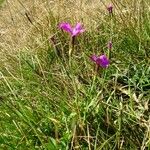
(74, 31)
(66, 26)
(110, 8)
(109, 45)
(102, 60)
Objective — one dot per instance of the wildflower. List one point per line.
(109, 45)
(102, 60)
(110, 8)
(52, 40)
(74, 31)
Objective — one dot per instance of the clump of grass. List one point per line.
(46, 102)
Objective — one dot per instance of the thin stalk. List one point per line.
(71, 49)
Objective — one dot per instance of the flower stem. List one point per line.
(71, 50)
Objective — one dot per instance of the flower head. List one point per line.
(109, 45)
(102, 60)
(110, 8)
(74, 31)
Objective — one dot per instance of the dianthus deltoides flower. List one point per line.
(110, 8)
(74, 31)
(109, 45)
(101, 60)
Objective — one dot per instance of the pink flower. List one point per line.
(109, 45)
(110, 8)
(74, 31)
(102, 60)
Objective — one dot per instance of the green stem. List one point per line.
(71, 50)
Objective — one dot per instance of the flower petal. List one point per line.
(78, 26)
(93, 58)
(66, 26)
(77, 29)
(103, 61)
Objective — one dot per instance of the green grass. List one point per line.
(47, 102)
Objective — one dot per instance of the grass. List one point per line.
(1, 1)
(50, 102)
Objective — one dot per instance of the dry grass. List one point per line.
(23, 21)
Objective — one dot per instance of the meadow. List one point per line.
(75, 75)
